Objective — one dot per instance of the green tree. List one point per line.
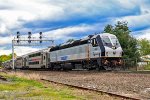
(4, 58)
(108, 29)
(128, 42)
(144, 47)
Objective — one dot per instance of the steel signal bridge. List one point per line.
(30, 40)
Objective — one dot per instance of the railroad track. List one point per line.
(94, 90)
(83, 70)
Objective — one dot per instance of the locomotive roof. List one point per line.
(43, 50)
(107, 34)
(73, 43)
(78, 42)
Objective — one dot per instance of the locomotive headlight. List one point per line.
(113, 47)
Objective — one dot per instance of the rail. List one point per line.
(95, 90)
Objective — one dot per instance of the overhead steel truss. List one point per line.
(30, 41)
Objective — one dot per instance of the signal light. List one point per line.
(18, 34)
(40, 33)
(29, 41)
(40, 37)
(18, 41)
(29, 34)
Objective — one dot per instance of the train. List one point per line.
(100, 51)
(7, 64)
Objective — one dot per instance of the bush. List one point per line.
(147, 67)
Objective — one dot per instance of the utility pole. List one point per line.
(29, 41)
(13, 63)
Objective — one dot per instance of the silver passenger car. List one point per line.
(37, 59)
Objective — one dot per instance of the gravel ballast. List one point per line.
(129, 84)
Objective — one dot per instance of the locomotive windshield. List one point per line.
(115, 42)
(110, 41)
(106, 41)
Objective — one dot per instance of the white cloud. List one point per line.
(25, 50)
(15, 13)
(5, 40)
(143, 34)
(136, 21)
(18, 50)
(25, 11)
(61, 33)
(139, 20)
(5, 52)
(65, 32)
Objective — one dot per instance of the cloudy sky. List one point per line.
(64, 19)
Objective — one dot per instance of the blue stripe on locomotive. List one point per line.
(64, 57)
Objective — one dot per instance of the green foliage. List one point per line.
(4, 58)
(21, 88)
(108, 28)
(128, 43)
(144, 47)
(147, 67)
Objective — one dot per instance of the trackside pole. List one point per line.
(13, 64)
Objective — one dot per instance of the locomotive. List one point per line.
(100, 51)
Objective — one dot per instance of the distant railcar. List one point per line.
(20, 62)
(7, 64)
(36, 59)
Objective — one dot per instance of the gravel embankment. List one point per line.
(130, 84)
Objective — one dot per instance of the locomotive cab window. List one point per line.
(94, 42)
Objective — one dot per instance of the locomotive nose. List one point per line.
(114, 52)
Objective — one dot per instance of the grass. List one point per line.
(25, 88)
(147, 67)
